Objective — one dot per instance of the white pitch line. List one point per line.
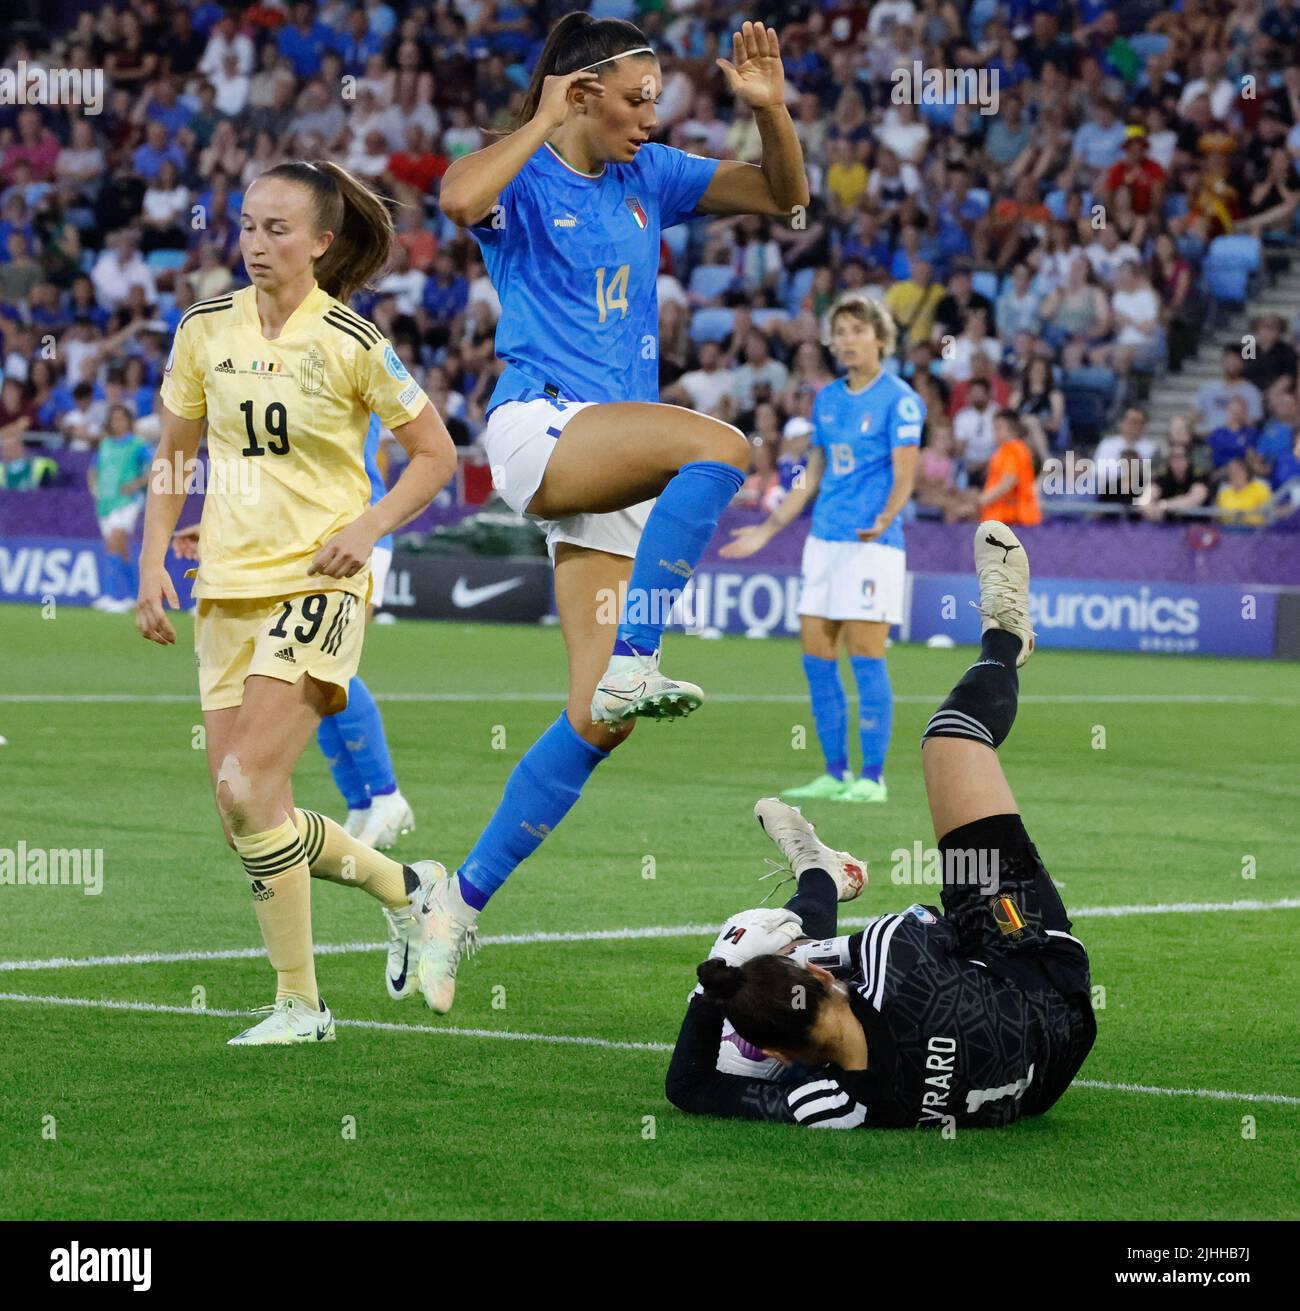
(568, 1040)
(737, 698)
(598, 935)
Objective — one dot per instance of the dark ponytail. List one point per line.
(770, 1000)
(578, 41)
(358, 217)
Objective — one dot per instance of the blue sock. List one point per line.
(676, 533)
(540, 791)
(110, 577)
(830, 712)
(347, 778)
(362, 729)
(875, 713)
(131, 576)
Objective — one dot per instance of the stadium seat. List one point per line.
(981, 13)
(1089, 395)
(677, 239)
(763, 319)
(1146, 45)
(710, 281)
(981, 197)
(625, 9)
(712, 324)
(165, 261)
(1236, 250)
(985, 283)
(1230, 264)
(1055, 202)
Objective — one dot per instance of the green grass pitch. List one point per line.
(1140, 783)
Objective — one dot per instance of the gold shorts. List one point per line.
(284, 637)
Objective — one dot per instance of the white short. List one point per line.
(381, 561)
(853, 580)
(125, 518)
(518, 441)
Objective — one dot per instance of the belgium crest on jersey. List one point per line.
(311, 372)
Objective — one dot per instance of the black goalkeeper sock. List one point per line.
(816, 903)
(982, 707)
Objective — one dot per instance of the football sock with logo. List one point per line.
(830, 712)
(540, 791)
(333, 855)
(276, 864)
(982, 706)
(875, 713)
(675, 535)
(816, 903)
(347, 777)
(362, 727)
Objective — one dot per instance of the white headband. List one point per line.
(640, 50)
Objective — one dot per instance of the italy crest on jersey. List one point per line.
(638, 214)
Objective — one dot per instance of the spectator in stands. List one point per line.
(1038, 397)
(914, 303)
(760, 377)
(974, 429)
(957, 355)
(1176, 488)
(1172, 280)
(1077, 314)
(1132, 436)
(1213, 397)
(1277, 437)
(1235, 438)
(1018, 304)
(937, 469)
(1135, 320)
(1242, 500)
(1270, 356)
(1137, 173)
(954, 309)
(762, 489)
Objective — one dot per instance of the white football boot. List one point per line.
(387, 819)
(1003, 569)
(450, 932)
(287, 1021)
(803, 849)
(356, 821)
(406, 933)
(632, 685)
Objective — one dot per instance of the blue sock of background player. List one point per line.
(356, 749)
(830, 712)
(548, 780)
(875, 713)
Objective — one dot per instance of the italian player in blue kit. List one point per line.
(861, 469)
(568, 209)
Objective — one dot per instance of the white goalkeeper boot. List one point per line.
(406, 933)
(798, 842)
(1003, 570)
(287, 1022)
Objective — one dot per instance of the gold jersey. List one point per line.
(287, 422)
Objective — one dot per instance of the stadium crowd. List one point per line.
(1047, 248)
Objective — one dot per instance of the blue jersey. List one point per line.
(858, 432)
(378, 490)
(575, 261)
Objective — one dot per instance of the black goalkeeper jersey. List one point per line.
(952, 1040)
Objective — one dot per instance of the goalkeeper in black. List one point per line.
(969, 1016)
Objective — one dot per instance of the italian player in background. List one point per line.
(568, 210)
(861, 470)
(287, 377)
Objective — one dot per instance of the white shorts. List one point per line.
(518, 441)
(381, 561)
(125, 518)
(853, 580)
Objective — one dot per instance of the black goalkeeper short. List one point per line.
(1000, 898)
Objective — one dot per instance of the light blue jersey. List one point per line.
(575, 261)
(858, 433)
(378, 490)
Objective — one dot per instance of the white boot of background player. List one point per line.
(387, 819)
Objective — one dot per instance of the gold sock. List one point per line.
(333, 855)
(276, 863)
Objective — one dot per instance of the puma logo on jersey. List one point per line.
(226, 366)
(1002, 546)
(565, 221)
(285, 653)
